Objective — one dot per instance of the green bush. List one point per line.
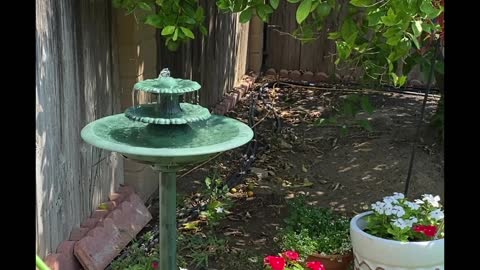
(311, 230)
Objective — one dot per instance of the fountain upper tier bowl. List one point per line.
(167, 145)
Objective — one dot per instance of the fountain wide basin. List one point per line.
(167, 145)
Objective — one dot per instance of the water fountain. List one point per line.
(167, 135)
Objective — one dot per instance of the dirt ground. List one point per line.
(346, 173)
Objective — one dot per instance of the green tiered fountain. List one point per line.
(167, 135)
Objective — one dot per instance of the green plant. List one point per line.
(351, 106)
(201, 248)
(399, 219)
(218, 202)
(137, 259)
(311, 230)
(178, 19)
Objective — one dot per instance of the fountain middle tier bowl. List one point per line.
(167, 145)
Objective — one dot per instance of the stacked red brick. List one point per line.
(102, 236)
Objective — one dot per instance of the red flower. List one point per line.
(155, 265)
(291, 255)
(428, 230)
(276, 262)
(315, 266)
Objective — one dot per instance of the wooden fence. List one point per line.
(76, 83)
(284, 52)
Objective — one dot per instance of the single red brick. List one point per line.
(348, 78)
(271, 71)
(117, 197)
(320, 77)
(89, 223)
(241, 91)
(78, 233)
(307, 76)
(294, 75)
(99, 214)
(235, 96)
(60, 261)
(230, 102)
(53, 261)
(283, 73)
(66, 247)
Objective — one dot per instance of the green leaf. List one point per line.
(349, 31)
(417, 28)
(439, 67)
(199, 14)
(303, 10)
(401, 80)
(374, 17)
(394, 78)
(293, 1)
(390, 19)
(203, 30)
(365, 124)
(323, 9)
(175, 35)
(343, 49)
(333, 35)
(187, 32)
(145, 6)
(430, 11)
(263, 11)
(414, 40)
(320, 122)
(168, 30)
(366, 105)
(153, 20)
(246, 15)
(361, 3)
(208, 182)
(274, 3)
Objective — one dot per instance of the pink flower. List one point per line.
(155, 265)
(276, 262)
(315, 266)
(291, 255)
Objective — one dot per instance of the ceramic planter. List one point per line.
(374, 253)
(333, 262)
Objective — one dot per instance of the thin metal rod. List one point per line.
(420, 119)
(167, 221)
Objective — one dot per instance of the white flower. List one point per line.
(413, 206)
(388, 209)
(418, 201)
(431, 200)
(400, 223)
(398, 196)
(437, 214)
(398, 210)
(378, 207)
(390, 200)
(219, 210)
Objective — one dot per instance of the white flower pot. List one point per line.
(374, 253)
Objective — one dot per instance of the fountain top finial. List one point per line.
(164, 73)
(165, 84)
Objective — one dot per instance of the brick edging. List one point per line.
(231, 99)
(65, 258)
